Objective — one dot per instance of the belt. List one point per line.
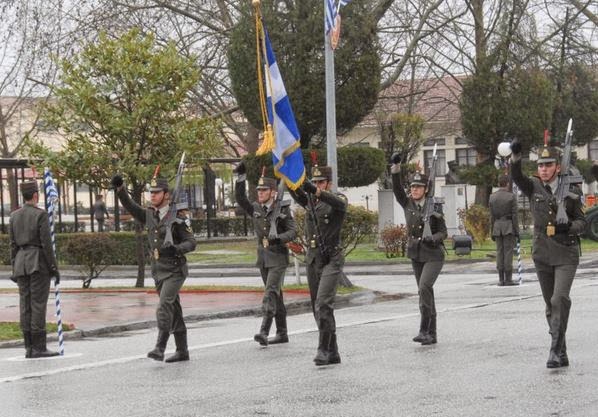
(29, 247)
(172, 261)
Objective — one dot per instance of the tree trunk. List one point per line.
(139, 244)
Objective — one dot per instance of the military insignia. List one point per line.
(545, 153)
(156, 254)
(417, 177)
(261, 181)
(153, 183)
(317, 172)
(188, 222)
(550, 230)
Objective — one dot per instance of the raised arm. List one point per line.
(299, 196)
(399, 190)
(525, 184)
(241, 195)
(132, 207)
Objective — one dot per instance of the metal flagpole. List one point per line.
(518, 246)
(330, 107)
(51, 197)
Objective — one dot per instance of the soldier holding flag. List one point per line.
(169, 264)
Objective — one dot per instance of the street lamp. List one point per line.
(504, 149)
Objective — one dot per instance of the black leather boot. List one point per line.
(157, 353)
(27, 339)
(554, 360)
(333, 355)
(563, 358)
(430, 336)
(423, 322)
(509, 279)
(38, 346)
(281, 330)
(501, 277)
(262, 336)
(322, 356)
(182, 352)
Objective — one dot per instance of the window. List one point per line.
(593, 150)
(460, 141)
(466, 156)
(440, 163)
(433, 141)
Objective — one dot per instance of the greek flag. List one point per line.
(286, 154)
(331, 13)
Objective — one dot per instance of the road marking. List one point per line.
(85, 366)
(22, 358)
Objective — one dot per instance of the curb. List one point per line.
(293, 307)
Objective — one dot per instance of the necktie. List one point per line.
(265, 208)
(548, 189)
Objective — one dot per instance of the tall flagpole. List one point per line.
(330, 107)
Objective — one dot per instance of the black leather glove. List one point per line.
(56, 276)
(516, 146)
(167, 251)
(13, 279)
(240, 169)
(396, 158)
(493, 238)
(308, 187)
(562, 228)
(429, 240)
(117, 181)
(275, 241)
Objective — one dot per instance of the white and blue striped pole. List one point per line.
(51, 198)
(519, 266)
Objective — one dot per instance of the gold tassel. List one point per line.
(268, 142)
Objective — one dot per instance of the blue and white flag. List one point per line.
(286, 153)
(331, 13)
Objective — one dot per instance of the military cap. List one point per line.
(29, 186)
(159, 184)
(266, 183)
(321, 173)
(418, 179)
(549, 154)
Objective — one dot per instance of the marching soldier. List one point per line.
(272, 254)
(169, 265)
(33, 266)
(504, 229)
(427, 253)
(324, 218)
(556, 247)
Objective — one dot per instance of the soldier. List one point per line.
(324, 218)
(169, 265)
(99, 212)
(556, 247)
(272, 254)
(426, 254)
(33, 266)
(504, 229)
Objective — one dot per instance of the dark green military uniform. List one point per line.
(555, 252)
(427, 257)
(505, 230)
(324, 270)
(272, 256)
(169, 267)
(33, 265)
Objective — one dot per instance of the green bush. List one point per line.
(93, 252)
(222, 226)
(477, 222)
(357, 166)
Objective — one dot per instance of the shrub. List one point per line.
(93, 252)
(394, 239)
(477, 222)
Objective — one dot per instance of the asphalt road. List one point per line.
(490, 361)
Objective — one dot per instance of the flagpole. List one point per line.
(330, 107)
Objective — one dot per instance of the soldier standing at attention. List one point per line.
(426, 253)
(33, 266)
(169, 265)
(272, 254)
(504, 229)
(324, 218)
(99, 212)
(555, 246)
